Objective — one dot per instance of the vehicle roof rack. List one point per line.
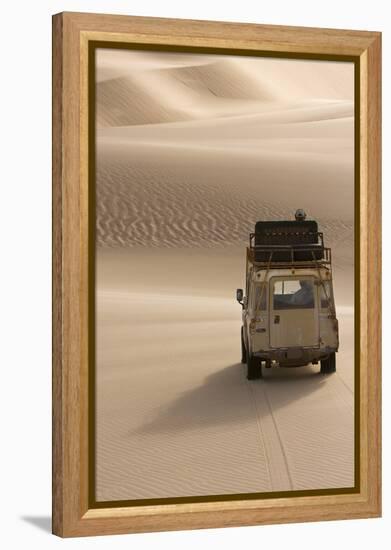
(297, 243)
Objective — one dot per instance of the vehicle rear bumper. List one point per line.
(294, 356)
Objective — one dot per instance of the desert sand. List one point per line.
(191, 151)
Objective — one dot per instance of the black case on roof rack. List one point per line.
(287, 241)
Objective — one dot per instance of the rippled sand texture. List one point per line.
(191, 151)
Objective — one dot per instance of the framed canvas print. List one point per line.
(216, 274)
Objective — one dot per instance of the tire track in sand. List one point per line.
(309, 420)
(277, 462)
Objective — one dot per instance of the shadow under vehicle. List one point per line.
(289, 317)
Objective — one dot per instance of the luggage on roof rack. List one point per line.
(286, 232)
(287, 241)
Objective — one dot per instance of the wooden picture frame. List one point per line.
(73, 514)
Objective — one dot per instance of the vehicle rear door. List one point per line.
(294, 320)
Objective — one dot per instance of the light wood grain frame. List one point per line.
(72, 513)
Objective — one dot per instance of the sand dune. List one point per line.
(279, 121)
(133, 90)
(117, 63)
(151, 198)
(191, 151)
(223, 79)
(149, 195)
(133, 104)
(156, 96)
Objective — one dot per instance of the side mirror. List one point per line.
(239, 295)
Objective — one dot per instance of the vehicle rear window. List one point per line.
(293, 294)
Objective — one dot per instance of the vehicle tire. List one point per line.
(244, 353)
(254, 368)
(328, 365)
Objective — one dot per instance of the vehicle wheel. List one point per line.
(328, 365)
(254, 368)
(244, 353)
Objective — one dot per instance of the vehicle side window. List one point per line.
(259, 301)
(293, 294)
